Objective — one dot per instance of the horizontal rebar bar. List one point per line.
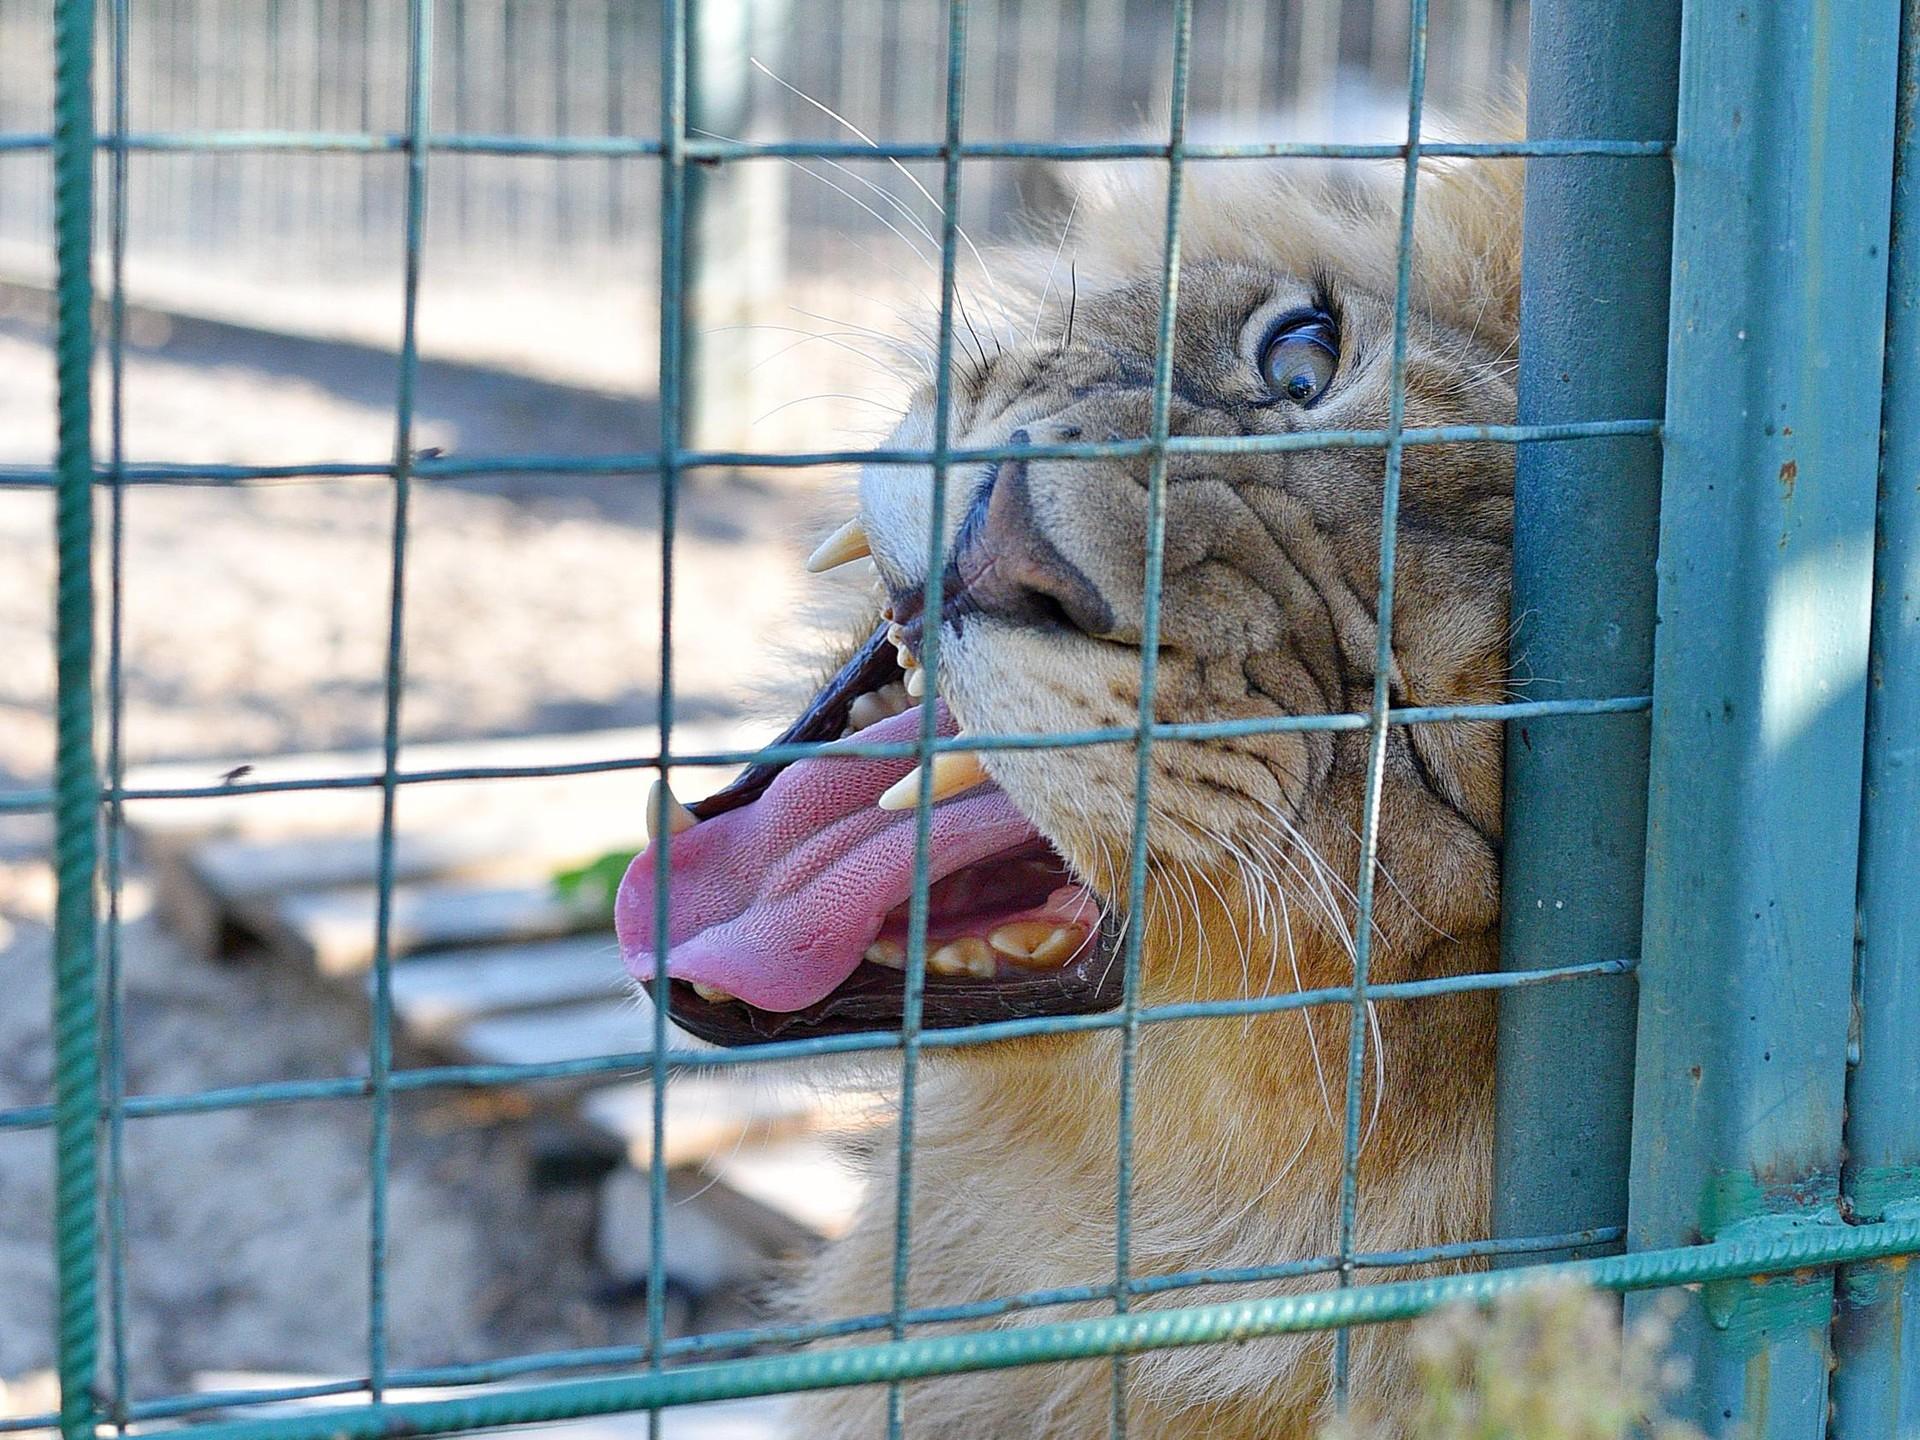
(455, 467)
(601, 147)
(487, 1372)
(1810, 1248)
(440, 1077)
(18, 801)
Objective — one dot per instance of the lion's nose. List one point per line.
(1006, 565)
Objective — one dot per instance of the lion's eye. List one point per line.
(1300, 357)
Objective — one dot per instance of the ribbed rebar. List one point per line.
(76, 797)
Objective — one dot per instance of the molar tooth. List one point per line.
(969, 955)
(710, 994)
(842, 547)
(953, 772)
(679, 818)
(1019, 940)
(1038, 942)
(1061, 946)
(890, 953)
(868, 709)
(894, 695)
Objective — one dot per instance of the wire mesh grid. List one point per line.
(91, 1106)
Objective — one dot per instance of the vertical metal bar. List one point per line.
(1586, 516)
(674, 41)
(114, 1034)
(1877, 1335)
(1782, 177)
(380, 1069)
(919, 906)
(1360, 1009)
(1160, 423)
(736, 215)
(76, 784)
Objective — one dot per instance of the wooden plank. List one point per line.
(713, 1113)
(333, 930)
(564, 1032)
(214, 859)
(436, 996)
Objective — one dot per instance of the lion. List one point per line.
(789, 906)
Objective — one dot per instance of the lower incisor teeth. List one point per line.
(1038, 942)
(710, 994)
(967, 956)
(890, 953)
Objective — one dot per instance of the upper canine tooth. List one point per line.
(847, 544)
(710, 994)
(679, 818)
(953, 772)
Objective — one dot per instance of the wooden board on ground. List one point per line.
(437, 996)
(491, 966)
(715, 1113)
(221, 862)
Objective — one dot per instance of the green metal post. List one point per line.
(76, 1017)
(1782, 177)
(1877, 1338)
(1593, 336)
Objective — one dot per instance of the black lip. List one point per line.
(873, 997)
(870, 667)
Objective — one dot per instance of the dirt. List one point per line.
(256, 622)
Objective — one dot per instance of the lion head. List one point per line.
(790, 905)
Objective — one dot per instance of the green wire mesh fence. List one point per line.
(1700, 1089)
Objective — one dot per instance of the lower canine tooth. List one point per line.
(890, 953)
(917, 683)
(679, 818)
(710, 994)
(968, 956)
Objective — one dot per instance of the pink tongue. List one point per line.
(777, 901)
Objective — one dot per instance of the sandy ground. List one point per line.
(256, 623)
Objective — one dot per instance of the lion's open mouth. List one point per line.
(788, 903)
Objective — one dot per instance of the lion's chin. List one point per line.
(790, 893)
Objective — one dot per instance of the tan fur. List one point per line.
(1269, 604)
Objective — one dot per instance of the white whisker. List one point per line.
(1040, 310)
(912, 179)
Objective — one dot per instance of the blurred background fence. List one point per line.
(525, 251)
(1057, 70)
